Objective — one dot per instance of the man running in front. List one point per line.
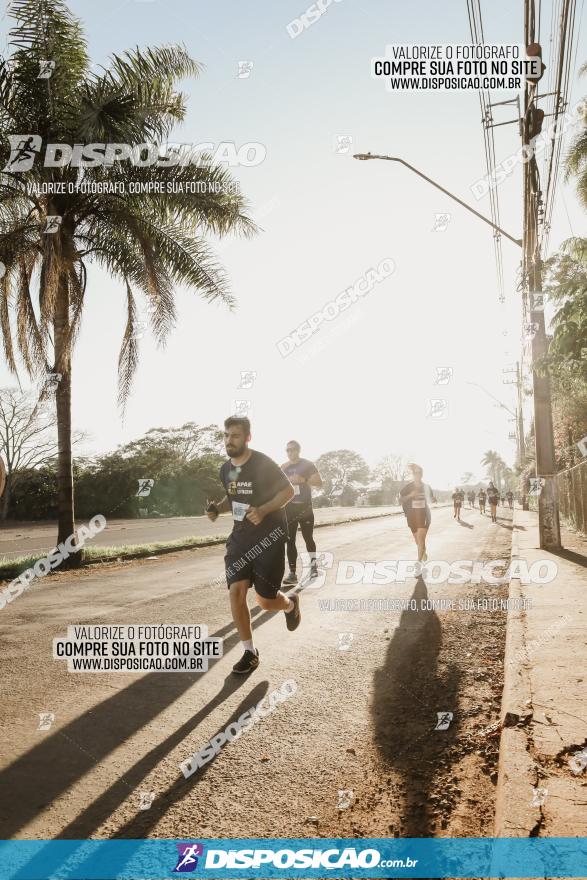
(257, 490)
(303, 475)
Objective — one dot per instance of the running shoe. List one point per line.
(293, 617)
(291, 578)
(247, 663)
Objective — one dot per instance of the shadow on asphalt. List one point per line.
(128, 784)
(144, 821)
(140, 825)
(465, 524)
(39, 777)
(408, 692)
(570, 556)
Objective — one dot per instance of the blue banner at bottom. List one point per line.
(293, 858)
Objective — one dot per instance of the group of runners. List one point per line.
(268, 503)
(491, 496)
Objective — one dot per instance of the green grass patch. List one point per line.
(11, 568)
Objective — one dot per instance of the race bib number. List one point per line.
(418, 503)
(239, 510)
(296, 490)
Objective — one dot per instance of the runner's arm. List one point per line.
(315, 480)
(256, 515)
(278, 501)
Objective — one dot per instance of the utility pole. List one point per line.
(534, 327)
(520, 389)
(521, 441)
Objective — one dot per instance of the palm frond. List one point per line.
(30, 340)
(129, 355)
(164, 63)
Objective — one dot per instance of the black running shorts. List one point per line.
(263, 569)
(419, 518)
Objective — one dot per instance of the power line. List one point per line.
(478, 37)
(562, 67)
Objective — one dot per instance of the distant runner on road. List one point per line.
(471, 497)
(302, 474)
(510, 499)
(414, 497)
(482, 497)
(457, 501)
(257, 490)
(493, 498)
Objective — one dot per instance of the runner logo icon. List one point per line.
(187, 860)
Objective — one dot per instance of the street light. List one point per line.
(364, 156)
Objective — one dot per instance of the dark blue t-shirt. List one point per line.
(251, 484)
(302, 468)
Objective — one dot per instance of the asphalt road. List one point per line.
(362, 720)
(18, 539)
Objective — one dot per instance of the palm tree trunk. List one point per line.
(65, 506)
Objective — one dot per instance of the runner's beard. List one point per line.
(234, 451)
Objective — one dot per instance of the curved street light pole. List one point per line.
(365, 156)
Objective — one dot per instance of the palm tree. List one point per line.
(151, 242)
(492, 461)
(508, 478)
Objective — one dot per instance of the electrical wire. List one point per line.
(478, 37)
(562, 67)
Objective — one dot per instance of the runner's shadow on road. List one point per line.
(465, 524)
(409, 690)
(40, 776)
(139, 826)
(144, 821)
(96, 813)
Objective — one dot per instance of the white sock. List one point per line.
(249, 646)
(291, 606)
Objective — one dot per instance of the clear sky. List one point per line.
(326, 219)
